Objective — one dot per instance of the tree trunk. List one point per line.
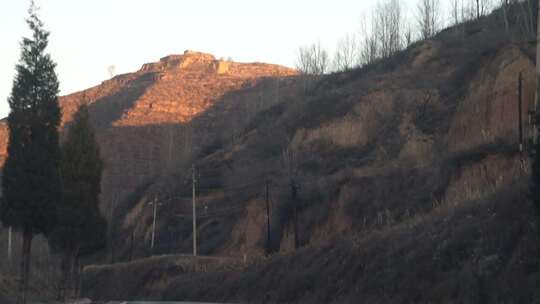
(64, 278)
(70, 292)
(74, 278)
(67, 287)
(79, 278)
(505, 17)
(25, 265)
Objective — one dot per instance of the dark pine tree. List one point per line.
(80, 228)
(31, 180)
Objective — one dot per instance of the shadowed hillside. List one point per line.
(408, 180)
(399, 181)
(147, 125)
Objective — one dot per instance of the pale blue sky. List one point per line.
(88, 36)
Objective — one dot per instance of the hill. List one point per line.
(145, 126)
(402, 179)
(410, 186)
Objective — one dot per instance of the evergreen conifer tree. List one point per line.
(80, 228)
(31, 180)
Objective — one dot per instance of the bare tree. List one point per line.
(303, 60)
(527, 17)
(465, 10)
(461, 11)
(387, 25)
(408, 35)
(455, 11)
(429, 17)
(346, 56)
(320, 59)
(312, 60)
(369, 46)
(504, 9)
(111, 69)
(482, 7)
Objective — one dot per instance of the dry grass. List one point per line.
(457, 253)
(460, 252)
(409, 244)
(144, 277)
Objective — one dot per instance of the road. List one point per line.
(158, 303)
(129, 302)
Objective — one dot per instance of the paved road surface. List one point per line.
(137, 302)
(159, 303)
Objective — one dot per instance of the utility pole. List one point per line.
(520, 112)
(268, 240)
(154, 202)
(194, 182)
(10, 233)
(294, 194)
(131, 245)
(113, 205)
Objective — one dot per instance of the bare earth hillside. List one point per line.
(411, 187)
(405, 176)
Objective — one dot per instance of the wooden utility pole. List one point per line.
(194, 182)
(131, 245)
(268, 240)
(111, 225)
(154, 202)
(520, 112)
(10, 234)
(294, 195)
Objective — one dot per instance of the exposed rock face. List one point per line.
(489, 109)
(474, 135)
(141, 117)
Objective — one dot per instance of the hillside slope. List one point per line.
(411, 187)
(148, 124)
(140, 117)
(434, 124)
(405, 176)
